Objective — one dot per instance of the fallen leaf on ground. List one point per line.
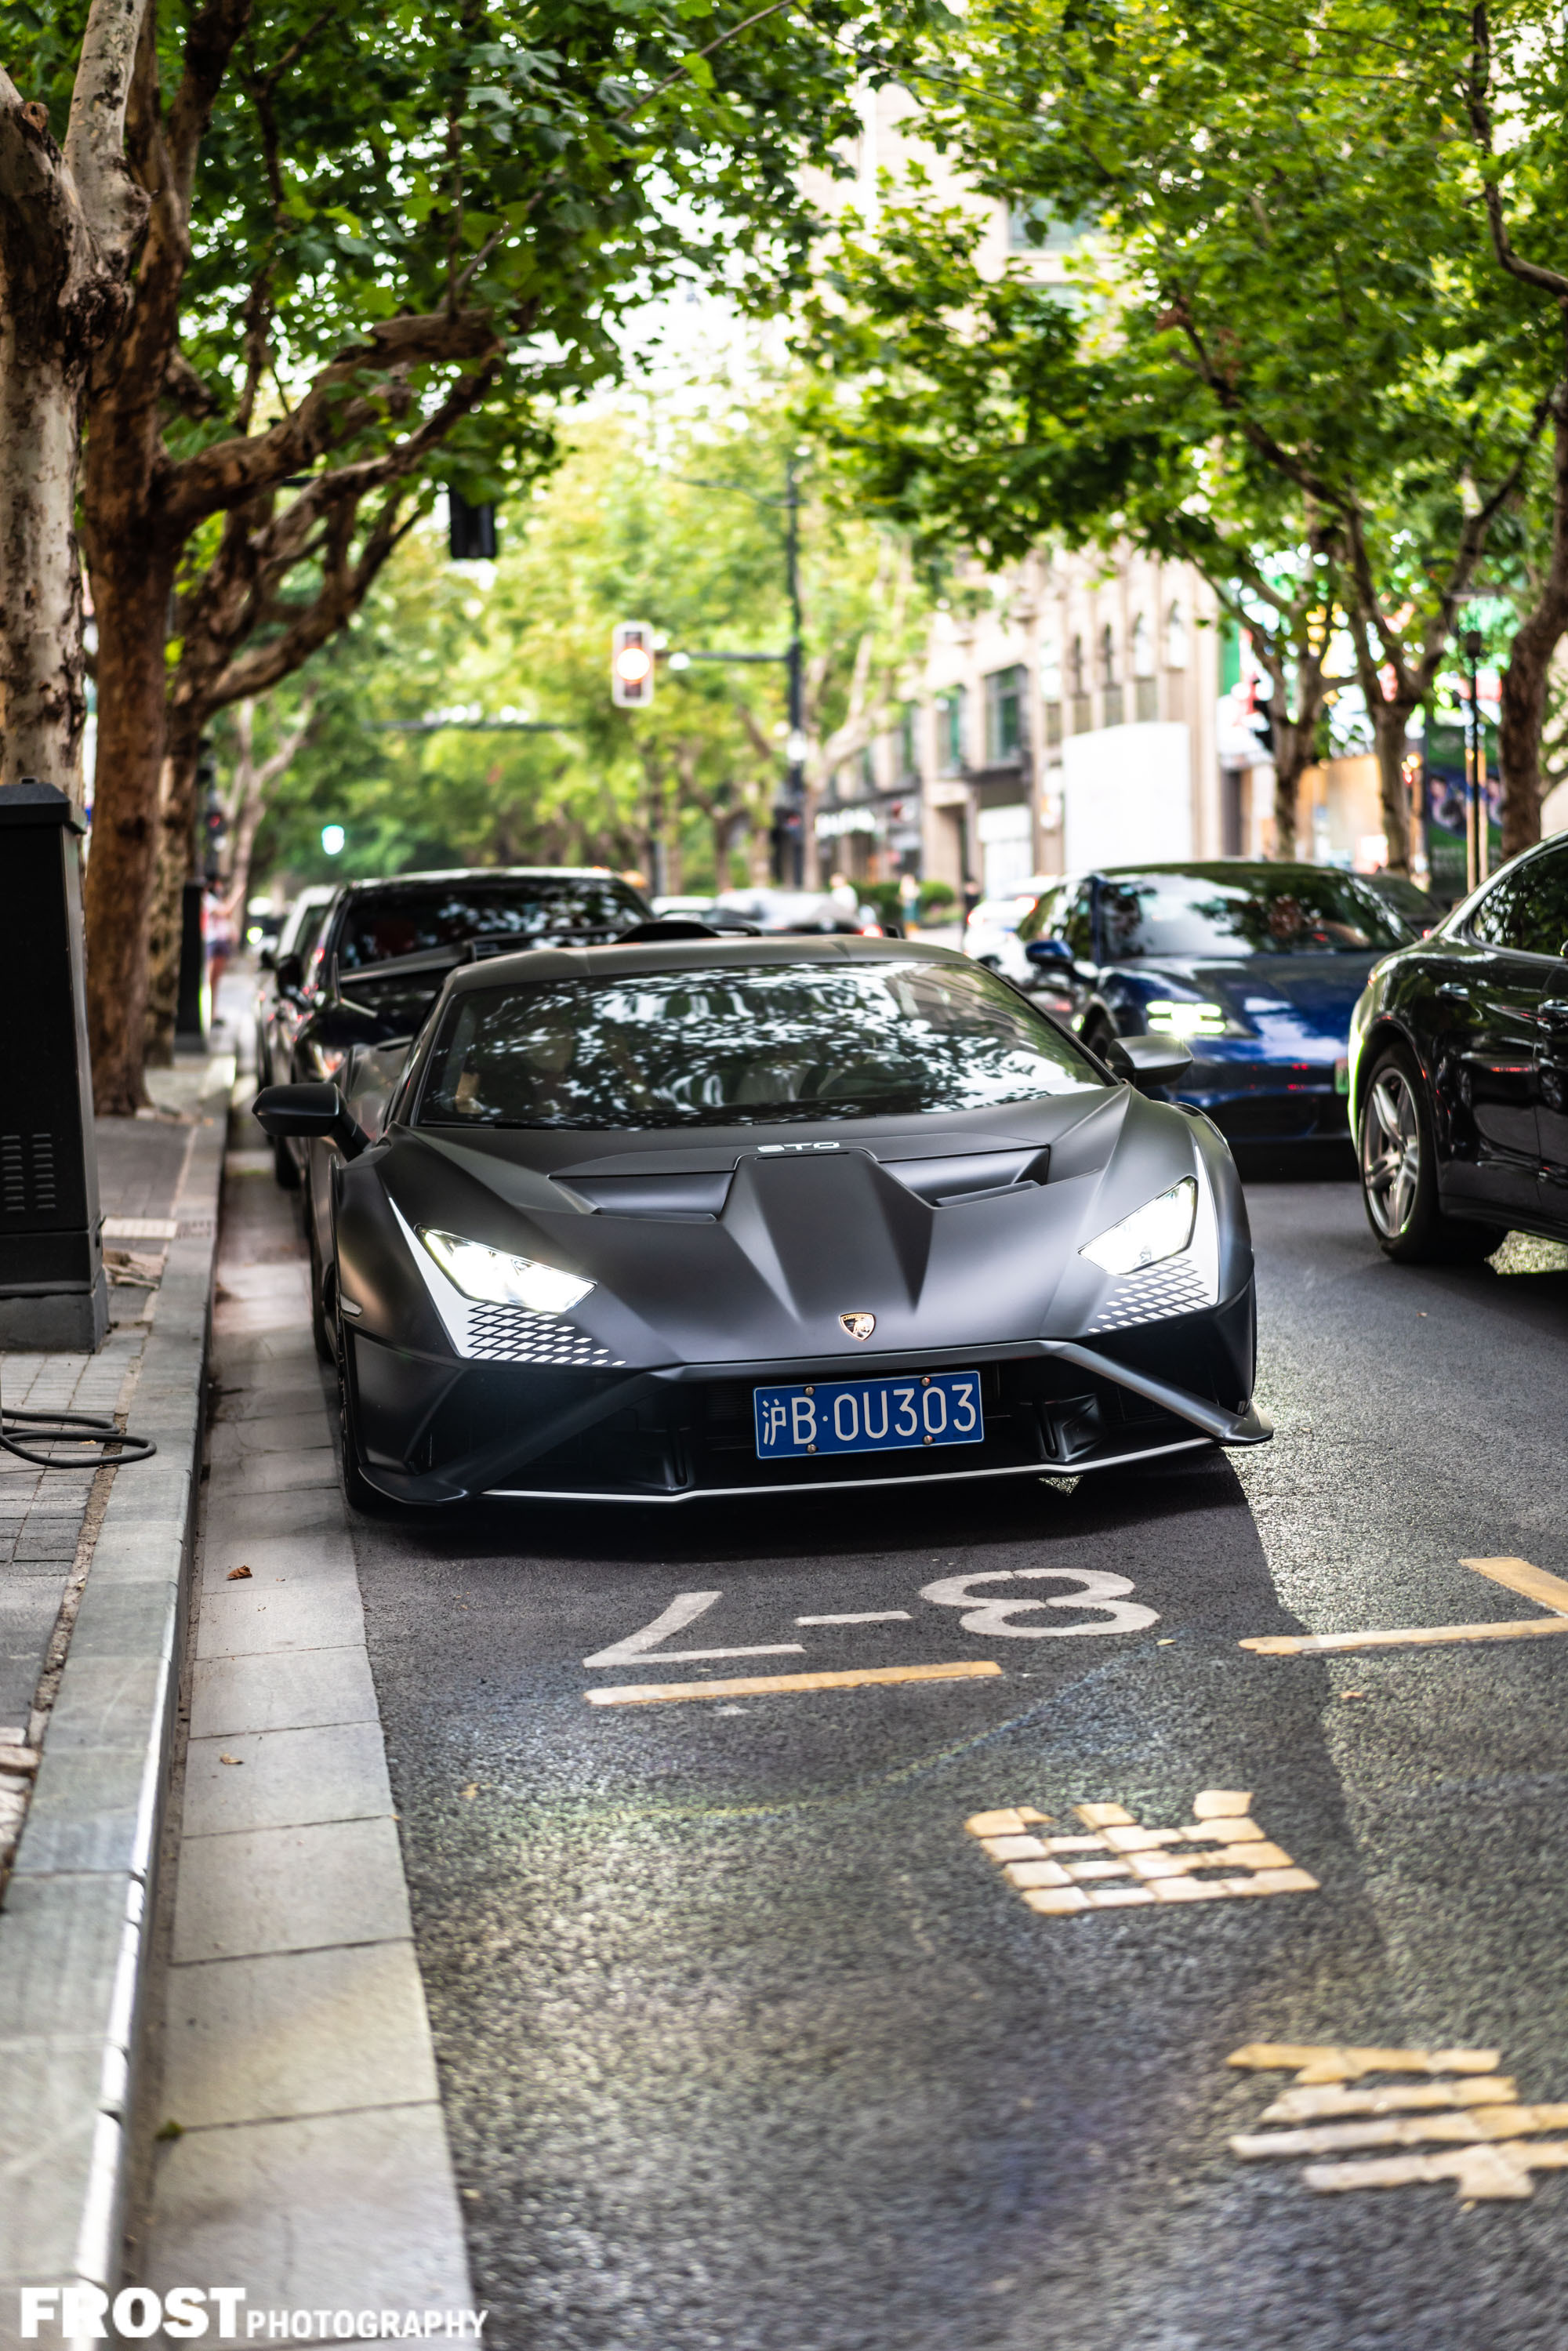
(237, 1575)
(170, 2129)
(470, 1791)
(231, 1758)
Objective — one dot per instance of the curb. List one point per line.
(73, 1935)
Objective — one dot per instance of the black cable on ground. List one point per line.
(73, 1428)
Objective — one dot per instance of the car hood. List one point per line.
(750, 1244)
(1281, 999)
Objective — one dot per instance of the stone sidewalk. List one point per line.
(302, 2153)
(91, 1601)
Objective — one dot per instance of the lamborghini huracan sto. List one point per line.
(724, 1216)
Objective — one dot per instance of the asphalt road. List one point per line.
(745, 2043)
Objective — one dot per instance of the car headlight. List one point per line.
(1162, 1227)
(497, 1279)
(1167, 1018)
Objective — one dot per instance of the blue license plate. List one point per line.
(868, 1415)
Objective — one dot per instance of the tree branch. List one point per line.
(112, 205)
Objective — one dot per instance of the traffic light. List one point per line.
(632, 665)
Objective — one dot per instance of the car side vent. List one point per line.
(962, 1176)
(680, 1197)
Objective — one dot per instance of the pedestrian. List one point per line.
(218, 932)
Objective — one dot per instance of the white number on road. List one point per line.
(683, 1610)
(993, 1617)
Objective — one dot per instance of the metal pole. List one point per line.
(797, 745)
(1472, 644)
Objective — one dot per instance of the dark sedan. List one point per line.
(385, 947)
(1460, 1070)
(1256, 968)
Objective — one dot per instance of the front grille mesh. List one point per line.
(508, 1334)
(1148, 1296)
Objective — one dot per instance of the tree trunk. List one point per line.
(174, 866)
(132, 607)
(42, 702)
(1526, 678)
(1389, 722)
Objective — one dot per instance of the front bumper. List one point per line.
(1255, 1101)
(436, 1432)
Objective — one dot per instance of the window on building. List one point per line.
(1075, 669)
(1034, 226)
(908, 754)
(1108, 655)
(1004, 714)
(951, 729)
(1176, 638)
(1142, 647)
(867, 772)
(1051, 668)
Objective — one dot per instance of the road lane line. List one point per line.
(871, 1617)
(771, 1685)
(1293, 1645)
(1534, 1582)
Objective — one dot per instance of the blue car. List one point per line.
(1257, 968)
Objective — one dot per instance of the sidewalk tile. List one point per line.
(293, 1691)
(303, 2033)
(333, 1771)
(290, 1889)
(342, 2212)
(319, 1616)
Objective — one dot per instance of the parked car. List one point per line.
(1459, 1071)
(279, 1004)
(720, 1218)
(384, 948)
(798, 912)
(990, 931)
(1257, 967)
(1416, 907)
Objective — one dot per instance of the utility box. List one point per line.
(53, 1294)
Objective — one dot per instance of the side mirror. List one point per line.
(1142, 1061)
(1051, 955)
(291, 970)
(315, 1112)
(265, 960)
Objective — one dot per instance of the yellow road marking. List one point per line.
(773, 1685)
(1547, 1590)
(1318, 2062)
(1534, 1582)
(1286, 1645)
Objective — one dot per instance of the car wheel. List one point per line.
(284, 1166)
(1396, 1152)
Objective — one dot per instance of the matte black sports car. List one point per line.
(1257, 966)
(1460, 1070)
(657, 1221)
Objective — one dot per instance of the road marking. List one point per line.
(1222, 1827)
(683, 1610)
(1534, 1582)
(767, 1685)
(1422, 1636)
(992, 1618)
(869, 1617)
(1314, 2062)
(1495, 2155)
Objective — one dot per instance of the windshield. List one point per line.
(1300, 911)
(524, 911)
(754, 1045)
